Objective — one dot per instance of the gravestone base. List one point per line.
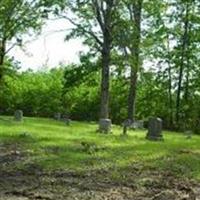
(154, 138)
(105, 126)
(155, 130)
(18, 115)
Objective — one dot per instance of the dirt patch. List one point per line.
(132, 183)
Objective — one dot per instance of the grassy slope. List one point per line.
(53, 145)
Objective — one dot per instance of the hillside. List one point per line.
(77, 161)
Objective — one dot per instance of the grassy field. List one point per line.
(53, 145)
(46, 159)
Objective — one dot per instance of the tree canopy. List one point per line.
(143, 59)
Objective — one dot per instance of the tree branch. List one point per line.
(84, 30)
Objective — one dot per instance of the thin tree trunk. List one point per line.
(132, 95)
(170, 85)
(187, 82)
(183, 50)
(170, 96)
(186, 95)
(2, 55)
(187, 68)
(136, 17)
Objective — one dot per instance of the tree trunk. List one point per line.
(171, 122)
(132, 95)
(137, 11)
(105, 84)
(170, 96)
(105, 122)
(183, 50)
(187, 67)
(2, 55)
(187, 81)
(186, 95)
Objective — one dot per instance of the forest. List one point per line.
(142, 62)
(152, 68)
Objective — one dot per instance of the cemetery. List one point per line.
(99, 100)
(45, 159)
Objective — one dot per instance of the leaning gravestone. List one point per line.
(18, 115)
(105, 125)
(155, 129)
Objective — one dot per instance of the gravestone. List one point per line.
(57, 116)
(65, 118)
(67, 121)
(188, 134)
(126, 124)
(18, 115)
(155, 129)
(139, 124)
(105, 125)
(196, 128)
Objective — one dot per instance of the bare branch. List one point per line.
(97, 10)
(10, 48)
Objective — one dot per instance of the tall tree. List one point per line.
(184, 46)
(128, 40)
(17, 18)
(95, 21)
(135, 13)
(175, 51)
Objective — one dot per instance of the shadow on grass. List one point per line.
(54, 149)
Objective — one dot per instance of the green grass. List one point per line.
(54, 145)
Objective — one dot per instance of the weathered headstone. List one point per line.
(188, 134)
(67, 121)
(126, 124)
(105, 125)
(196, 128)
(155, 129)
(139, 124)
(18, 115)
(65, 118)
(57, 116)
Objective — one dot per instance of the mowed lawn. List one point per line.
(53, 145)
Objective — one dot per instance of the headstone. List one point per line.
(155, 129)
(196, 128)
(57, 116)
(188, 134)
(127, 123)
(66, 119)
(18, 115)
(137, 124)
(105, 125)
